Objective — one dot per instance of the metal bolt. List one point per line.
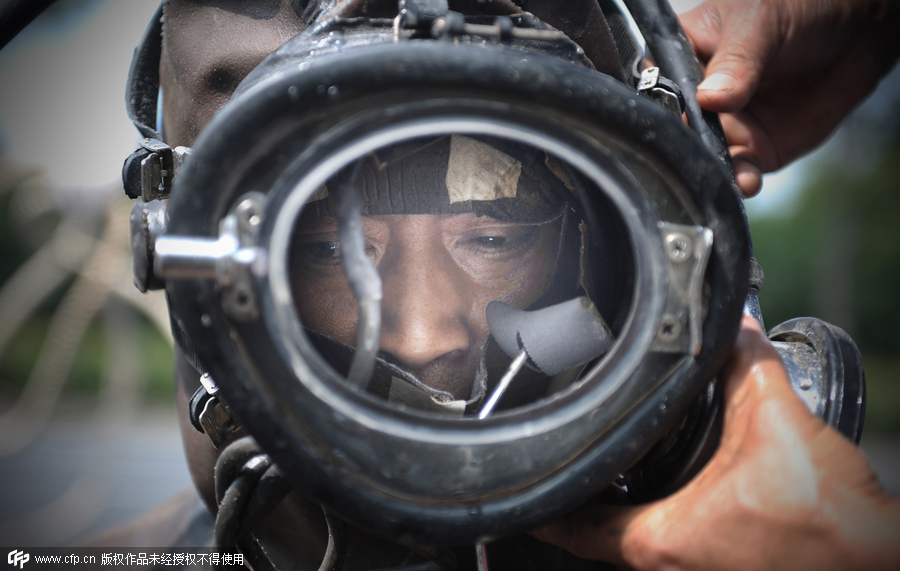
(249, 213)
(678, 247)
(246, 210)
(239, 301)
(669, 329)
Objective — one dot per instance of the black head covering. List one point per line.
(453, 174)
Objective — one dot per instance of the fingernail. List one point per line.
(748, 175)
(718, 82)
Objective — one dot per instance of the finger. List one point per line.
(747, 173)
(754, 372)
(598, 533)
(749, 349)
(751, 149)
(749, 39)
(703, 26)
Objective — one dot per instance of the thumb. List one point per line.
(748, 40)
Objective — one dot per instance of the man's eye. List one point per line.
(323, 250)
(492, 241)
(328, 252)
(510, 241)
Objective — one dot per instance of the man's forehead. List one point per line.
(209, 47)
(234, 34)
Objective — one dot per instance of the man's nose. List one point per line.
(425, 306)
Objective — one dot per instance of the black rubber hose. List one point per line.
(333, 559)
(248, 487)
(268, 493)
(676, 60)
(271, 488)
(232, 458)
(255, 554)
(235, 498)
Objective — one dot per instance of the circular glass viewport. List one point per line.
(481, 270)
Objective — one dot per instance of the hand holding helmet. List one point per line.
(783, 491)
(783, 75)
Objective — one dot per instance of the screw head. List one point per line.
(239, 301)
(248, 212)
(669, 329)
(678, 247)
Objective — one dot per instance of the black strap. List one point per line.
(142, 91)
(180, 336)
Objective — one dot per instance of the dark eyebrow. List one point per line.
(316, 225)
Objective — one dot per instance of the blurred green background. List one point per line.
(63, 136)
(26, 226)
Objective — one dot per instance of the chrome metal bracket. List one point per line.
(687, 250)
(230, 260)
(662, 90)
(148, 223)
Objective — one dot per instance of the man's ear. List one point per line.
(583, 21)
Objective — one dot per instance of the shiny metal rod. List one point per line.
(481, 553)
(514, 368)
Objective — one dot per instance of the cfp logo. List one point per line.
(17, 557)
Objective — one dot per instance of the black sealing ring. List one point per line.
(301, 107)
(842, 370)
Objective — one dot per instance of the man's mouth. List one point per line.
(420, 390)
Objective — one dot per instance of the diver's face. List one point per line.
(438, 272)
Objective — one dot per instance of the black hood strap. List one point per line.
(142, 90)
(181, 339)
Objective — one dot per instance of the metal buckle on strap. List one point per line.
(149, 172)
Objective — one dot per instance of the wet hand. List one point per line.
(783, 491)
